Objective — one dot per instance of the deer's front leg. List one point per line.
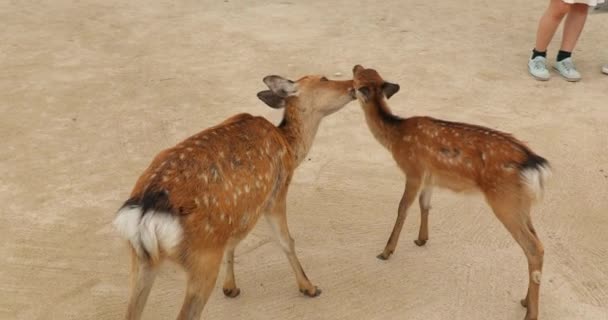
(277, 219)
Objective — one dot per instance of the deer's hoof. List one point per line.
(420, 243)
(315, 292)
(384, 255)
(232, 292)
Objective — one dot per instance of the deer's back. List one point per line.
(220, 180)
(460, 156)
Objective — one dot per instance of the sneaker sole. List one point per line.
(537, 77)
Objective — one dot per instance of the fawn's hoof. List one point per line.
(232, 292)
(524, 303)
(420, 243)
(315, 292)
(384, 255)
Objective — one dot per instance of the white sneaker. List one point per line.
(537, 67)
(567, 70)
(605, 69)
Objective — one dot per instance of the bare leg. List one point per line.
(202, 268)
(549, 22)
(409, 195)
(278, 222)
(142, 279)
(515, 216)
(575, 21)
(425, 205)
(230, 288)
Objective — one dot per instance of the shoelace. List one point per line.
(539, 64)
(569, 66)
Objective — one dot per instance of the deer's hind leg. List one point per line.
(202, 267)
(143, 274)
(425, 206)
(514, 213)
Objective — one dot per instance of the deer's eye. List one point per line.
(324, 79)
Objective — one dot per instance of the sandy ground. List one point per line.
(90, 91)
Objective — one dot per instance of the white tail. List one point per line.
(535, 179)
(148, 233)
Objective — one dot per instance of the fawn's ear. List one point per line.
(389, 89)
(280, 86)
(357, 68)
(271, 99)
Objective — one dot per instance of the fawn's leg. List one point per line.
(142, 279)
(277, 219)
(425, 205)
(202, 268)
(412, 187)
(230, 288)
(515, 216)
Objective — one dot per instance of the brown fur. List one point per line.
(221, 180)
(460, 157)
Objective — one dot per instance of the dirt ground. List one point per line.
(90, 91)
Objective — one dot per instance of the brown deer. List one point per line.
(460, 157)
(197, 200)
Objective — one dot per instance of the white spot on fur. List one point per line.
(407, 138)
(245, 221)
(182, 156)
(165, 178)
(206, 200)
(247, 188)
(151, 233)
(536, 275)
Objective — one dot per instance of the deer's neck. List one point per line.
(383, 124)
(299, 129)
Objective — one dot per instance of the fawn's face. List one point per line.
(315, 94)
(368, 84)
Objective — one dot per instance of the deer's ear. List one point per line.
(389, 89)
(271, 99)
(357, 68)
(280, 86)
